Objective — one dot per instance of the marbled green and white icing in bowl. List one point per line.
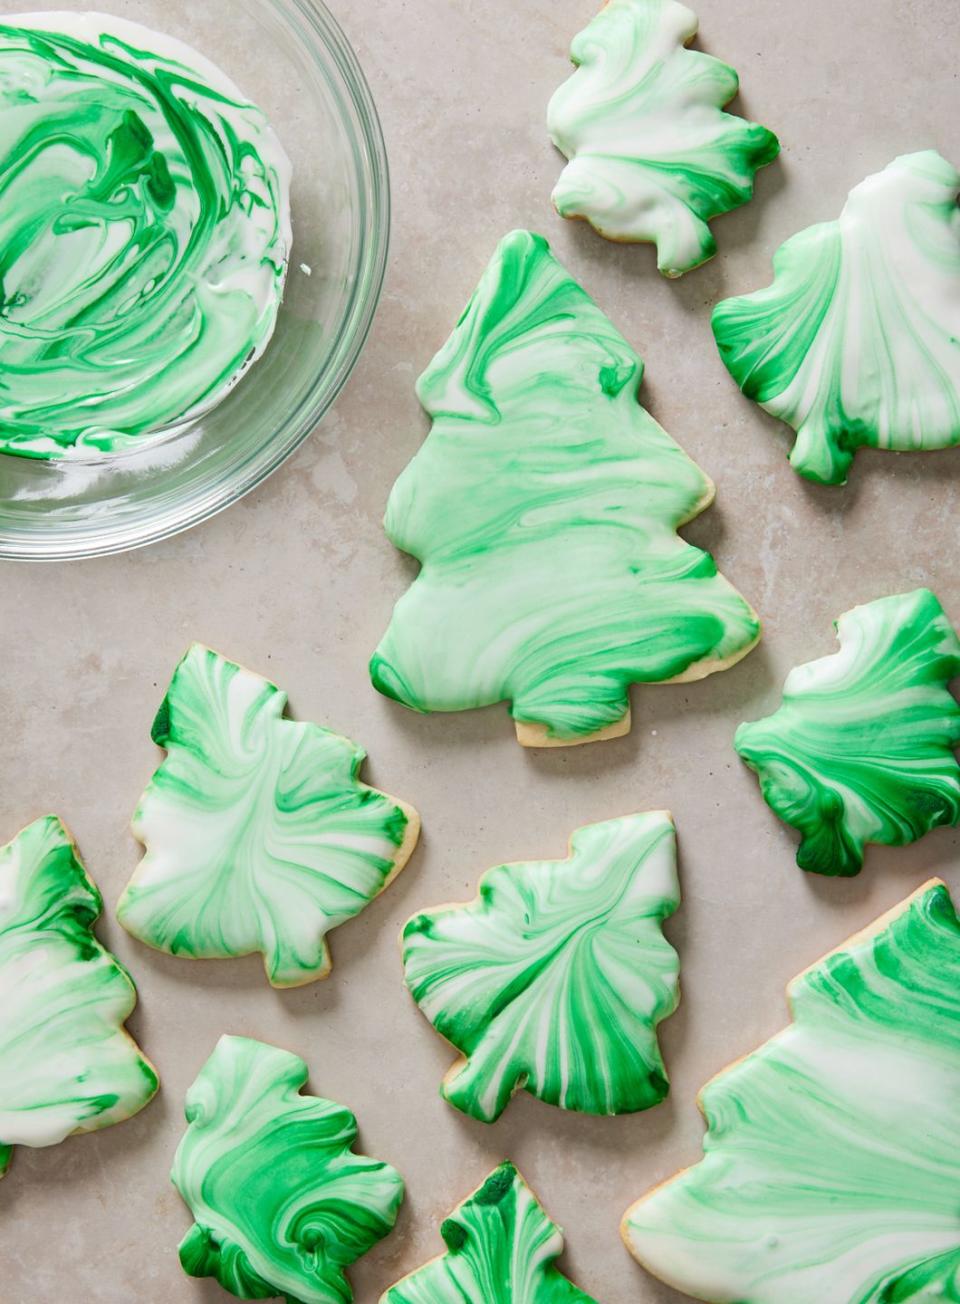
(294, 64)
(144, 234)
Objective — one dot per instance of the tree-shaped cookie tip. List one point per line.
(856, 343)
(862, 748)
(67, 1064)
(501, 1249)
(281, 1203)
(554, 979)
(831, 1162)
(544, 507)
(258, 834)
(653, 156)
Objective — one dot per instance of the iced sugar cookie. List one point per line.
(501, 1249)
(67, 1064)
(258, 834)
(543, 507)
(856, 343)
(862, 749)
(652, 154)
(281, 1203)
(554, 979)
(145, 223)
(830, 1171)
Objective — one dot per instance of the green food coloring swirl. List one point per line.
(144, 234)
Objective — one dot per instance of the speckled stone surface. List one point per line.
(297, 581)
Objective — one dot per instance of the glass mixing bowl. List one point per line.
(292, 59)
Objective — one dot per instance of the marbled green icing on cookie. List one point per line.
(501, 1249)
(652, 154)
(544, 506)
(857, 342)
(144, 233)
(831, 1160)
(66, 1062)
(281, 1204)
(258, 834)
(862, 749)
(555, 978)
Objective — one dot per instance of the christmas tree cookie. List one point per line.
(652, 154)
(831, 1160)
(501, 1249)
(862, 748)
(67, 1064)
(281, 1203)
(543, 507)
(856, 343)
(258, 834)
(554, 979)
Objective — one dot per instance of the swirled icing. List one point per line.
(862, 749)
(281, 1204)
(653, 157)
(144, 229)
(67, 1064)
(543, 507)
(830, 1164)
(258, 834)
(856, 343)
(555, 978)
(501, 1249)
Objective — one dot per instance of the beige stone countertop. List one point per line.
(297, 581)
